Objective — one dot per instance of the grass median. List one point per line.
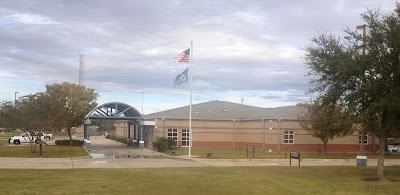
(48, 151)
(226, 180)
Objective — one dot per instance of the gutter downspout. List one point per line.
(163, 127)
(234, 134)
(263, 146)
(373, 143)
(279, 135)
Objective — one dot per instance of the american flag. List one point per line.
(184, 56)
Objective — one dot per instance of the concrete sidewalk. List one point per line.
(101, 145)
(286, 162)
(65, 163)
(119, 155)
(78, 163)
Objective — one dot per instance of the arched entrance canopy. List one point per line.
(114, 111)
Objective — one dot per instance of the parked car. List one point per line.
(48, 135)
(393, 145)
(24, 138)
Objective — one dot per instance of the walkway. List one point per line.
(101, 145)
(122, 156)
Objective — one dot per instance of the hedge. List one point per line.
(122, 140)
(67, 142)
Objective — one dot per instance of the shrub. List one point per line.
(171, 143)
(122, 140)
(161, 144)
(66, 142)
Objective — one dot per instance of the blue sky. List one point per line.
(241, 50)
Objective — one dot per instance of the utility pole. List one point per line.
(142, 102)
(81, 70)
(15, 97)
(364, 28)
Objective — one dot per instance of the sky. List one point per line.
(250, 53)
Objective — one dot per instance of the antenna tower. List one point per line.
(81, 69)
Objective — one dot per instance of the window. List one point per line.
(185, 137)
(173, 133)
(288, 137)
(365, 138)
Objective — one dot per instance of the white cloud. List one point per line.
(241, 49)
(25, 18)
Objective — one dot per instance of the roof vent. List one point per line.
(225, 110)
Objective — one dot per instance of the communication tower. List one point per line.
(81, 70)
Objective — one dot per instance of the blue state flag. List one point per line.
(181, 78)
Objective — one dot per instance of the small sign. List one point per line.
(250, 149)
(294, 155)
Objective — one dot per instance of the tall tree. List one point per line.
(70, 104)
(363, 72)
(8, 116)
(35, 118)
(326, 122)
(34, 113)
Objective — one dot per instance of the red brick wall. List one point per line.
(289, 147)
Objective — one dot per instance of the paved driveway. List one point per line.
(101, 145)
(115, 155)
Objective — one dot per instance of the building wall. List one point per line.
(121, 129)
(266, 135)
(148, 134)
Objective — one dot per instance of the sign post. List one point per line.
(250, 149)
(294, 155)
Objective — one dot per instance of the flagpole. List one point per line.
(190, 98)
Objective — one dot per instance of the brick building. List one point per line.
(220, 124)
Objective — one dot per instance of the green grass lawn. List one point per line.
(227, 180)
(48, 151)
(242, 154)
(5, 136)
(3, 142)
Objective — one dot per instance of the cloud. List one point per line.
(8, 17)
(239, 47)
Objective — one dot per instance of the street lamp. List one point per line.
(142, 102)
(364, 28)
(15, 95)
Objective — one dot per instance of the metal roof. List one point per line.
(114, 111)
(215, 110)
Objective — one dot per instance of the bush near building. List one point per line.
(68, 142)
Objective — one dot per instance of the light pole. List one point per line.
(15, 97)
(364, 28)
(142, 102)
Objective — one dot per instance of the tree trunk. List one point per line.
(40, 150)
(381, 159)
(325, 147)
(32, 144)
(383, 134)
(70, 136)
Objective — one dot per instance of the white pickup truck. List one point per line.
(48, 135)
(393, 145)
(24, 138)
